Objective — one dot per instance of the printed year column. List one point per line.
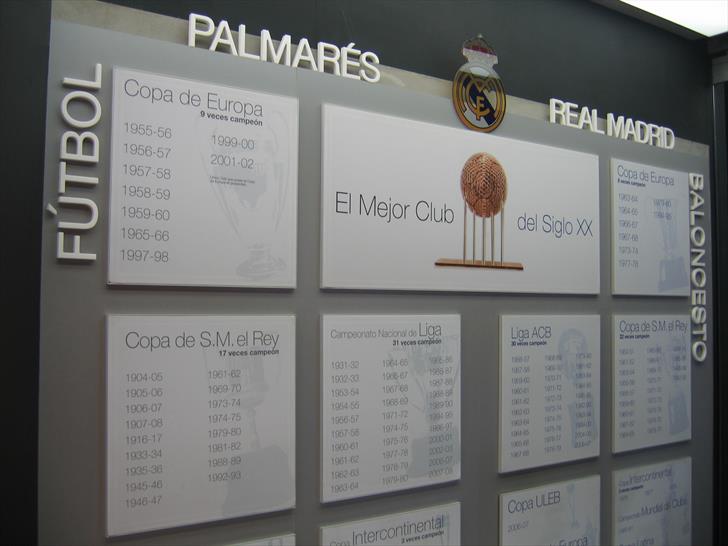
(144, 436)
(395, 438)
(344, 417)
(147, 191)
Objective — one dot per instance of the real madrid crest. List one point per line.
(477, 90)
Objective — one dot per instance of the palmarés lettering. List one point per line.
(347, 61)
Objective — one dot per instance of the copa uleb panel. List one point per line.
(390, 404)
(558, 513)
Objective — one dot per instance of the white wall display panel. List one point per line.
(652, 504)
(435, 526)
(559, 513)
(72, 505)
(650, 230)
(203, 184)
(549, 389)
(200, 419)
(429, 207)
(390, 403)
(282, 540)
(651, 381)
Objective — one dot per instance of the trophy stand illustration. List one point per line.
(263, 468)
(570, 488)
(673, 273)
(252, 192)
(579, 402)
(421, 464)
(677, 404)
(484, 187)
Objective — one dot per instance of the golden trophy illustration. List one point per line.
(485, 189)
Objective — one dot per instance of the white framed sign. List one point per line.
(651, 381)
(282, 540)
(203, 184)
(549, 389)
(558, 513)
(409, 205)
(652, 504)
(650, 230)
(200, 419)
(390, 403)
(435, 526)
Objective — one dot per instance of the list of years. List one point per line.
(390, 403)
(194, 164)
(146, 191)
(144, 433)
(200, 419)
(651, 380)
(650, 230)
(628, 223)
(549, 390)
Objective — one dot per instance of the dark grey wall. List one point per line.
(24, 28)
(570, 49)
(720, 264)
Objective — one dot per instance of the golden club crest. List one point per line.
(477, 90)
